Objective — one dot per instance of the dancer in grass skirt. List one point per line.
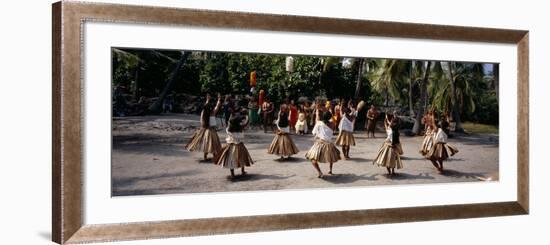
(234, 154)
(282, 145)
(388, 155)
(441, 150)
(429, 132)
(206, 138)
(323, 150)
(345, 137)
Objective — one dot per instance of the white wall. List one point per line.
(25, 99)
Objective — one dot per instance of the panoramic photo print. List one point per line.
(187, 121)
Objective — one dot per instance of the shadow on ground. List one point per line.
(348, 178)
(252, 177)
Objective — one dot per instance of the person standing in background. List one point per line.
(372, 114)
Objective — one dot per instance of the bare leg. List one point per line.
(330, 168)
(316, 166)
(389, 170)
(232, 173)
(441, 165)
(205, 156)
(242, 171)
(436, 165)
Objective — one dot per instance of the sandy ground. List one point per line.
(148, 157)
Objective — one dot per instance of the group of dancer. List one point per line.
(234, 154)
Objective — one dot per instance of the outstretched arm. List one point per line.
(218, 104)
(244, 122)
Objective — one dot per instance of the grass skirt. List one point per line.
(282, 145)
(427, 144)
(388, 156)
(233, 156)
(323, 151)
(206, 140)
(345, 138)
(441, 151)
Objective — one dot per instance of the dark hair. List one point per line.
(347, 113)
(235, 124)
(326, 117)
(206, 110)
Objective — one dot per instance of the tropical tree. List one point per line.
(389, 78)
(423, 98)
(456, 88)
(156, 107)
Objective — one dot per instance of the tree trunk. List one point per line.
(455, 111)
(423, 99)
(411, 79)
(496, 76)
(156, 107)
(359, 78)
(136, 83)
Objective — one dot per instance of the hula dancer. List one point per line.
(282, 144)
(395, 125)
(388, 155)
(205, 138)
(234, 154)
(430, 131)
(441, 149)
(345, 137)
(323, 150)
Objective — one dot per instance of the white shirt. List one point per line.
(389, 133)
(322, 131)
(233, 138)
(346, 125)
(285, 129)
(441, 136)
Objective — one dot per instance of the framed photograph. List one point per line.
(180, 122)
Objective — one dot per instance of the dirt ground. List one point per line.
(148, 157)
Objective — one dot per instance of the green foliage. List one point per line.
(382, 82)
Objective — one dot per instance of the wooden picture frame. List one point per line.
(67, 198)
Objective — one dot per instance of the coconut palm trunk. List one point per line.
(136, 94)
(359, 77)
(423, 99)
(455, 111)
(496, 76)
(156, 107)
(411, 81)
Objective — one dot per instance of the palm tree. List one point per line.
(423, 98)
(389, 77)
(455, 89)
(415, 74)
(156, 107)
(496, 76)
(455, 113)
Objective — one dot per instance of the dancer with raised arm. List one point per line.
(206, 138)
(429, 128)
(388, 155)
(345, 137)
(282, 145)
(234, 154)
(323, 150)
